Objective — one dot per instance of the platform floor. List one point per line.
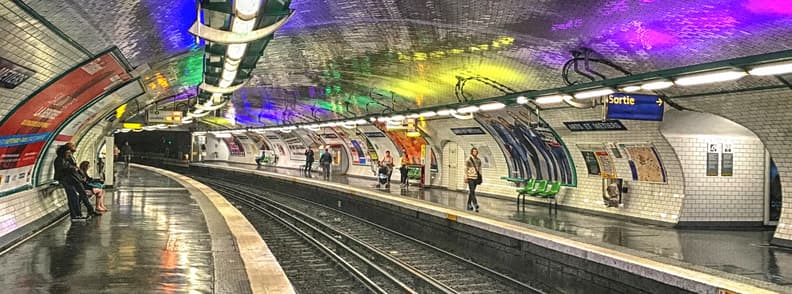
(154, 239)
(743, 252)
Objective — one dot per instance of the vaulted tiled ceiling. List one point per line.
(345, 58)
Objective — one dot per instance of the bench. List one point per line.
(537, 188)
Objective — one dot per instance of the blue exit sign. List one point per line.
(635, 107)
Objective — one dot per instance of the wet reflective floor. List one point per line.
(745, 253)
(153, 240)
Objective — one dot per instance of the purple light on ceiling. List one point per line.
(173, 19)
(779, 7)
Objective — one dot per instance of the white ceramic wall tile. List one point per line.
(768, 114)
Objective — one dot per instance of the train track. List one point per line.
(406, 264)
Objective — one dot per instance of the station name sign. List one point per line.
(374, 134)
(595, 125)
(468, 131)
(12, 74)
(635, 107)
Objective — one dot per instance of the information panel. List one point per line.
(635, 107)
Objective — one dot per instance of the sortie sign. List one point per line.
(635, 107)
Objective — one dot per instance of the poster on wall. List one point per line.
(413, 146)
(727, 162)
(592, 164)
(606, 166)
(645, 163)
(25, 130)
(531, 148)
(234, 146)
(485, 154)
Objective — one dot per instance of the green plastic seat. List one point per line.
(541, 185)
(551, 190)
(529, 186)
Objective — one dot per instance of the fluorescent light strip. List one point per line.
(492, 106)
(445, 112)
(631, 88)
(428, 114)
(550, 99)
(712, 77)
(772, 69)
(593, 93)
(522, 100)
(468, 109)
(657, 85)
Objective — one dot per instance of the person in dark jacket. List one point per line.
(325, 161)
(63, 174)
(309, 159)
(68, 174)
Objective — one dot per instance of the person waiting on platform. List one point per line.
(473, 178)
(126, 152)
(387, 160)
(93, 186)
(405, 160)
(324, 160)
(309, 159)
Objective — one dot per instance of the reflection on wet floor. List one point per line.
(153, 240)
(740, 252)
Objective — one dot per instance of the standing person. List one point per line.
(126, 151)
(93, 185)
(324, 160)
(403, 168)
(473, 178)
(65, 176)
(309, 159)
(387, 160)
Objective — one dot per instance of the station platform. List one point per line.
(735, 255)
(163, 233)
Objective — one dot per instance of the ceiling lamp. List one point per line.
(550, 99)
(428, 114)
(593, 93)
(492, 106)
(222, 135)
(372, 119)
(631, 88)
(522, 100)
(236, 51)
(711, 77)
(247, 9)
(657, 85)
(382, 119)
(361, 122)
(445, 112)
(468, 109)
(777, 68)
(398, 117)
(413, 115)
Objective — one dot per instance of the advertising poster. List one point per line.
(25, 131)
(294, 143)
(531, 148)
(606, 166)
(412, 146)
(357, 146)
(645, 163)
(234, 146)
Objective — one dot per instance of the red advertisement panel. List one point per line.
(25, 131)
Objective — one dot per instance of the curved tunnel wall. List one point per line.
(722, 198)
(768, 114)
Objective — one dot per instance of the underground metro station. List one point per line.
(253, 146)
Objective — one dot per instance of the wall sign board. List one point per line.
(595, 125)
(592, 165)
(635, 107)
(374, 134)
(12, 74)
(468, 131)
